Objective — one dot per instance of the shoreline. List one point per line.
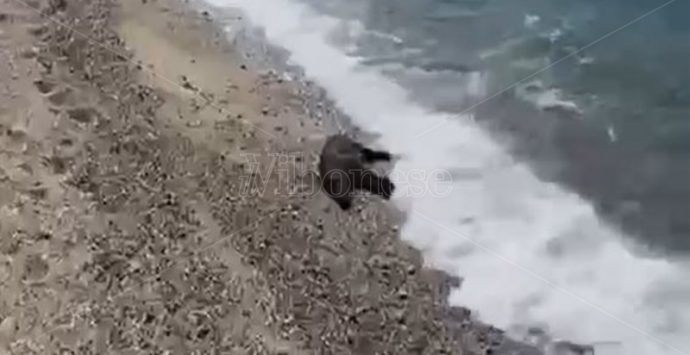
(138, 135)
(474, 334)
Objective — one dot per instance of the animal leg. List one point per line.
(344, 202)
(339, 188)
(371, 156)
(375, 184)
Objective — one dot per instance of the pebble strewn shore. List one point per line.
(126, 226)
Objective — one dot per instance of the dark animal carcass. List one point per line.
(343, 170)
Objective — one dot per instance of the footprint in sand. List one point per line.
(44, 86)
(16, 133)
(5, 271)
(55, 6)
(35, 268)
(60, 97)
(37, 191)
(62, 157)
(8, 329)
(82, 114)
(9, 242)
(37, 30)
(55, 95)
(57, 163)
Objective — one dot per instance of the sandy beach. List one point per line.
(144, 207)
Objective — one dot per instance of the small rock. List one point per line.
(43, 235)
(194, 124)
(186, 84)
(29, 53)
(134, 265)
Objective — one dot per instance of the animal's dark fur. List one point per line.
(343, 171)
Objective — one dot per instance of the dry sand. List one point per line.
(127, 133)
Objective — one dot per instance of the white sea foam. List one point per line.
(546, 99)
(530, 253)
(531, 20)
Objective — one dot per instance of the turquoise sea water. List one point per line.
(625, 64)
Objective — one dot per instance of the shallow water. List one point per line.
(600, 134)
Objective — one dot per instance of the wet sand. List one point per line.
(145, 209)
